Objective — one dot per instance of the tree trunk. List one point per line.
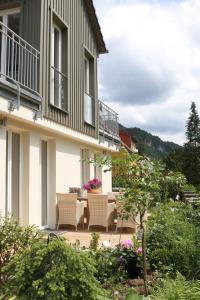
(144, 253)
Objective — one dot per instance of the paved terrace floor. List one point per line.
(84, 236)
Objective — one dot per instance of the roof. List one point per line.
(95, 25)
(124, 132)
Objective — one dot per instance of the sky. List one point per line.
(152, 72)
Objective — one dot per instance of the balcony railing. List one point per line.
(19, 61)
(108, 120)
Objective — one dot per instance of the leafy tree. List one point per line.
(140, 178)
(193, 127)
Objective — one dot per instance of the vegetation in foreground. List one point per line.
(57, 270)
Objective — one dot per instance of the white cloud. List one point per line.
(153, 70)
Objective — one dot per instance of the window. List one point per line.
(58, 67)
(89, 89)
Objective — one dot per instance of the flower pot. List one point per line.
(132, 267)
(95, 191)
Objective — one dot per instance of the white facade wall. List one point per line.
(64, 167)
(64, 171)
(68, 165)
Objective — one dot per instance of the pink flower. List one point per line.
(86, 187)
(127, 244)
(139, 251)
(92, 184)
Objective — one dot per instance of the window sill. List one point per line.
(60, 109)
(88, 124)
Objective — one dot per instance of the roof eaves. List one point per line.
(96, 27)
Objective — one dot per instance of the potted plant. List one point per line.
(130, 254)
(93, 186)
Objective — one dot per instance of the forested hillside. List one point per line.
(149, 144)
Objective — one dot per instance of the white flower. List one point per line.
(106, 244)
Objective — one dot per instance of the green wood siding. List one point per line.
(80, 35)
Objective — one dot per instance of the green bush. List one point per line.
(53, 271)
(190, 188)
(13, 239)
(178, 289)
(107, 265)
(171, 184)
(173, 240)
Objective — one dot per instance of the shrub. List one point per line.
(13, 239)
(190, 188)
(53, 271)
(171, 184)
(173, 240)
(178, 289)
(118, 263)
(107, 265)
(94, 242)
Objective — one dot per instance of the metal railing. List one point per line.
(59, 88)
(108, 120)
(19, 61)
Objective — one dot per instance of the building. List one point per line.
(128, 141)
(50, 115)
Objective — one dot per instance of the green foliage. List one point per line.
(132, 295)
(13, 239)
(173, 240)
(189, 188)
(174, 161)
(178, 289)
(107, 265)
(94, 242)
(191, 166)
(53, 271)
(187, 159)
(140, 177)
(171, 184)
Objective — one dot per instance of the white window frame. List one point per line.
(88, 99)
(87, 75)
(52, 99)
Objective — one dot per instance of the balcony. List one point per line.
(19, 64)
(108, 121)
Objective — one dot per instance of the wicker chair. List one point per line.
(70, 211)
(100, 211)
